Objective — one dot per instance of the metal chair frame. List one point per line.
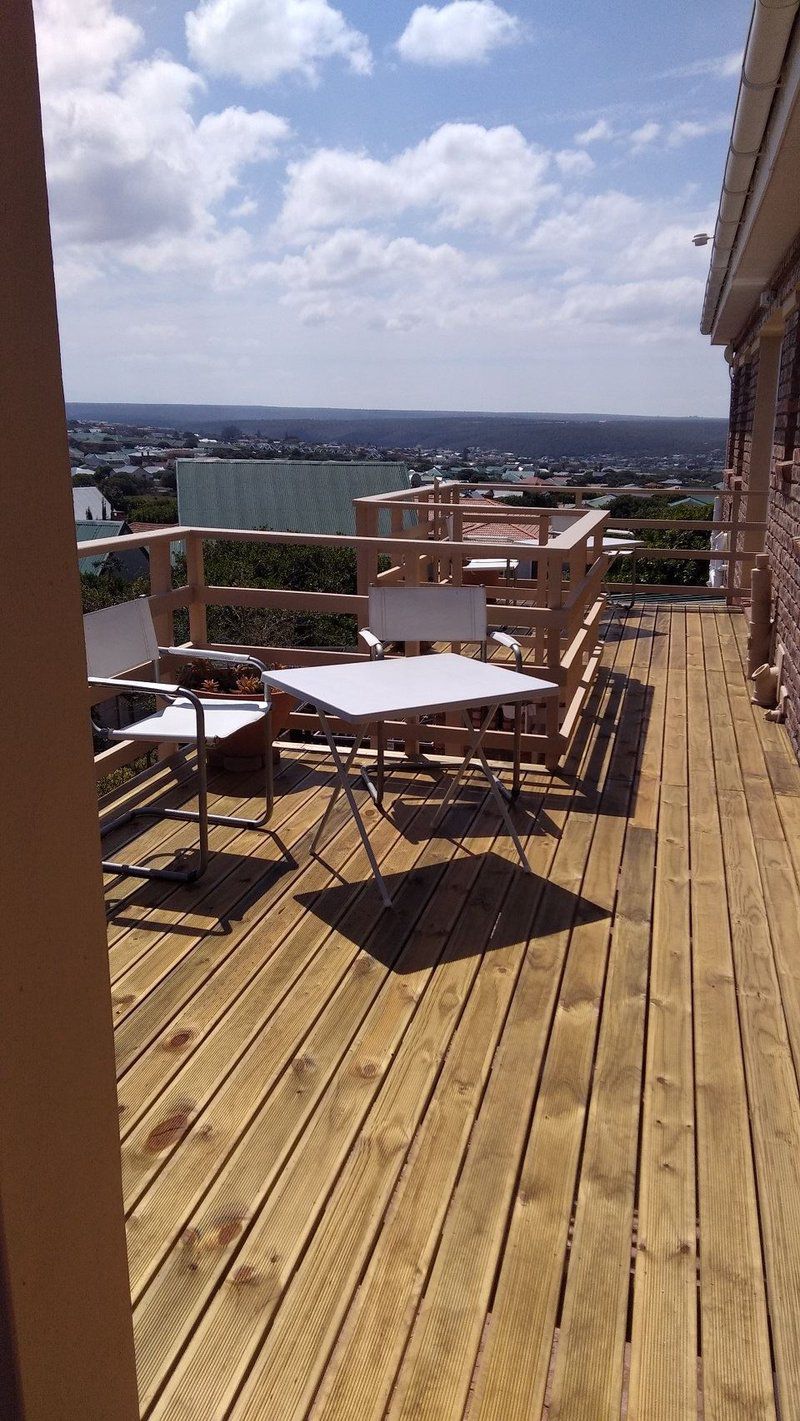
(123, 685)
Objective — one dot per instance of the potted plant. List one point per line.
(218, 681)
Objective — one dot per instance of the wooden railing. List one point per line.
(553, 602)
(430, 505)
(555, 612)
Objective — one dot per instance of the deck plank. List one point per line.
(357, 1154)
(771, 1077)
(663, 1378)
(737, 1367)
(589, 1369)
(394, 1175)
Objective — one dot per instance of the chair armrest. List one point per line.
(155, 688)
(374, 643)
(511, 642)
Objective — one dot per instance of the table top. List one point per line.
(365, 691)
(492, 564)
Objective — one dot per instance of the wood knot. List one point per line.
(368, 1068)
(169, 1130)
(304, 1065)
(244, 1275)
(178, 1040)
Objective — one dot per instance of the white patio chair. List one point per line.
(433, 613)
(122, 638)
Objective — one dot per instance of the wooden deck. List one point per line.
(520, 1148)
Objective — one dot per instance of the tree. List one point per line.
(157, 509)
(230, 433)
(83, 481)
(296, 568)
(119, 489)
(531, 498)
(680, 572)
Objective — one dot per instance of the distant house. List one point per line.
(89, 503)
(280, 494)
(700, 500)
(130, 563)
(115, 458)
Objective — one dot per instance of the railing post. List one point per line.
(160, 560)
(196, 577)
(159, 552)
(367, 524)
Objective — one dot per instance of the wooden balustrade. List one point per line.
(555, 609)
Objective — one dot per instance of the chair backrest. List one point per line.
(428, 613)
(119, 638)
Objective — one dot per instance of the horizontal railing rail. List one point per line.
(554, 600)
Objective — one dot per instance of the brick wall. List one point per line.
(783, 517)
(783, 511)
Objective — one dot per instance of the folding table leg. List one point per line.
(342, 770)
(475, 749)
(342, 782)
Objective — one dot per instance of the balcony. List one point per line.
(524, 1147)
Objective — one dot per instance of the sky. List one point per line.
(465, 204)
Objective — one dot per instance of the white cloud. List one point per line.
(599, 132)
(645, 135)
(649, 308)
(78, 47)
(132, 172)
(574, 162)
(463, 174)
(395, 282)
(683, 131)
(721, 66)
(258, 41)
(462, 32)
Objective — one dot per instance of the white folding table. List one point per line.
(368, 693)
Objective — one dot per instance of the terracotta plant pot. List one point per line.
(244, 750)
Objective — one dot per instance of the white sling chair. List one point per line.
(123, 637)
(433, 613)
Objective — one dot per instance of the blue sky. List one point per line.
(465, 204)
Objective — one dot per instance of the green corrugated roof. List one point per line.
(89, 531)
(281, 494)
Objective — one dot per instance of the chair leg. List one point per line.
(200, 816)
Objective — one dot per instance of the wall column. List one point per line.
(66, 1342)
(761, 445)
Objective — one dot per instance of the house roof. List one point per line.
(295, 495)
(757, 219)
(92, 530)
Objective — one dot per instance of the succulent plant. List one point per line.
(209, 686)
(248, 684)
